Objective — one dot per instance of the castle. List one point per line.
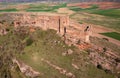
(50, 21)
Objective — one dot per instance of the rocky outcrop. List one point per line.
(105, 60)
(61, 70)
(3, 32)
(25, 69)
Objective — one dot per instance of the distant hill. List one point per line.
(60, 0)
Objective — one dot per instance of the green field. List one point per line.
(114, 35)
(44, 7)
(109, 12)
(38, 7)
(9, 10)
(78, 9)
(108, 18)
(94, 10)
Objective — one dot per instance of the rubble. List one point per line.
(75, 66)
(64, 54)
(105, 60)
(84, 46)
(3, 32)
(69, 51)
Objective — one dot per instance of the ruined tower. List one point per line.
(87, 34)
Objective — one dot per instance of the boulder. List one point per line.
(70, 75)
(75, 66)
(69, 51)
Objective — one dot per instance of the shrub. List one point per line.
(29, 41)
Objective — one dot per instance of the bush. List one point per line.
(99, 66)
(29, 41)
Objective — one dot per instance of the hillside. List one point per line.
(55, 39)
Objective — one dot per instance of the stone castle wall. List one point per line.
(56, 22)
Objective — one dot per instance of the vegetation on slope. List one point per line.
(48, 45)
(10, 44)
(114, 35)
(32, 47)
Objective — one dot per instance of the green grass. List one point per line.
(108, 18)
(36, 10)
(50, 47)
(46, 48)
(112, 22)
(8, 43)
(109, 12)
(39, 8)
(44, 7)
(9, 10)
(47, 45)
(114, 35)
(78, 9)
(94, 9)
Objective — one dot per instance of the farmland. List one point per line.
(114, 35)
(8, 10)
(44, 8)
(108, 18)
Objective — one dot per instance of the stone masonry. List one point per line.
(56, 22)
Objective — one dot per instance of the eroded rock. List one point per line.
(75, 66)
(27, 70)
(61, 70)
